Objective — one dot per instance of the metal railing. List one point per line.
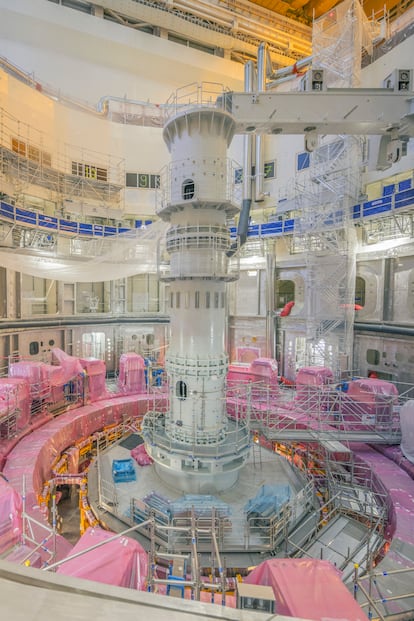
(196, 95)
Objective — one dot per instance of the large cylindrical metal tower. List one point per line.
(195, 447)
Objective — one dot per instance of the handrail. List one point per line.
(398, 202)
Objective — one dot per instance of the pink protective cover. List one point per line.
(131, 373)
(121, 562)
(314, 376)
(139, 453)
(307, 588)
(371, 390)
(10, 516)
(14, 396)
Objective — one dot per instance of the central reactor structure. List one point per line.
(195, 446)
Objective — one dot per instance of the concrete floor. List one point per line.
(263, 468)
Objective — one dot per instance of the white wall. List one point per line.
(89, 57)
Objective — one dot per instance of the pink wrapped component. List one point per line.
(10, 516)
(131, 373)
(121, 562)
(266, 368)
(314, 376)
(95, 378)
(25, 554)
(35, 453)
(36, 374)
(370, 403)
(139, 453)
(310, 383)
(15, 396)
(262, 370)
(247, 354)
(372, 389)
(31, 460)
(307, 588)
(56, 379)
(239, 374)
(71, 366)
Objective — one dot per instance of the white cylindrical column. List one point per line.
(195, 447)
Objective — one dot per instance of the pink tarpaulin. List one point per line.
(23, 554)
(70, 364)
(35, 373)
(307, 588)
(121, 562)
(14, 397)
(371, 389)
(10, 516)
(96, 378)
(314, 376)
(131, 373)
(371, 401)
(139, 453)
(310, 384)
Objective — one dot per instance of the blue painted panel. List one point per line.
(375, 209)
(109, 230)
(356, 211)
(404, 185)
(378, 205)
(48, 222)
(272, 228)
(22, 215)
(388, 189)
(289, 225)
(7, 210)
(85, 229)
(404, 199)
(98, 230)
(67, 225)
(408, 202)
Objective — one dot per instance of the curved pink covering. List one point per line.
(307, 588)
(32, 459)
(121, 562)
(10, 515)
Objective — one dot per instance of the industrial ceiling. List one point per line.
(305, 10)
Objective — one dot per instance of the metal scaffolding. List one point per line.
(70, 174)
(324, 232)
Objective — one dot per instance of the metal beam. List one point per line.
(377, 111)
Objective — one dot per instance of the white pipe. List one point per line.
(262, 64)
(292, 69)
(248, 138)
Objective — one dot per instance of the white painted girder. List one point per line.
(334, 111)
